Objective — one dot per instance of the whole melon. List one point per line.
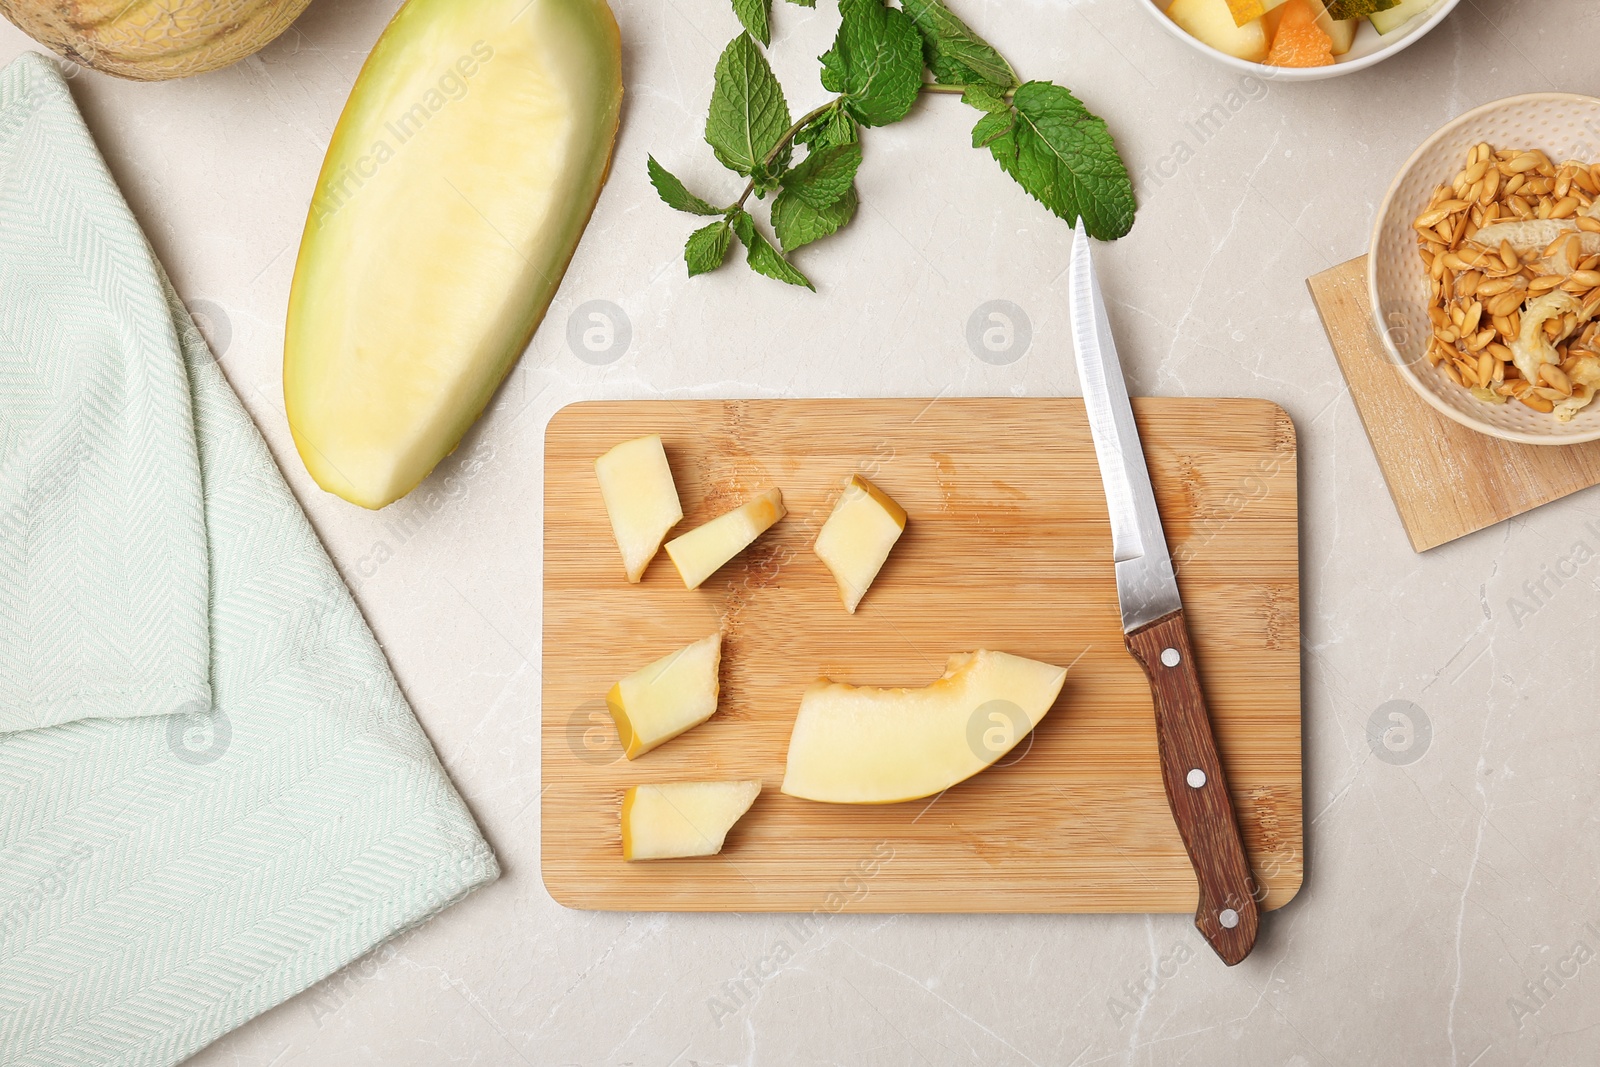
(152, 40)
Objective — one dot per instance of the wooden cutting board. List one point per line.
(1446, 481)
(1008, 547)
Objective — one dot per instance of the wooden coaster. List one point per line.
(1446, 480)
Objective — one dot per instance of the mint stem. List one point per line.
(783, 142)
(815, 113)
(957, 90)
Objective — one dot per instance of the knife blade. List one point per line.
(1156, 632)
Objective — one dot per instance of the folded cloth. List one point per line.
(212, 793)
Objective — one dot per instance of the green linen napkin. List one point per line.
(212, 793)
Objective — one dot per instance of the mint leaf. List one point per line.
(674, 193)
(875, 62)
(748, 112)
(833, 127)
(985, 98)
(804, 3)
(798, 222)
(825, 175)
(762, 257)
(755, 16)
(992, 126)
(1064, 157)
(708, 247)
(955, 54)
(818, 196)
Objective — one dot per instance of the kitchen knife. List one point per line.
(1155, 631)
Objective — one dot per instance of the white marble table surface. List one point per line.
(1437, 889)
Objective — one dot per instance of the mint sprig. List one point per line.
(883, 58)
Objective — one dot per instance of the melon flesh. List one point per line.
(457, 184)
(641, 499)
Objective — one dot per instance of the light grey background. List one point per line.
(1438, 882)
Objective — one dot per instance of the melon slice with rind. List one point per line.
(1391, 19)
(867, 745)
(674, 694)
(1245, 10)
(1341, 31)
(1358, 9)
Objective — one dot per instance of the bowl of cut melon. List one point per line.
(1299, 40)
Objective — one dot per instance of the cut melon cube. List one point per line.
(677, 692)
(1299, 41)
(858, 537)
(1341, 31)
(701, 552)
(1211, 22)
(1388, 21)
(1245, 10)
(641, 499)
(678, 819)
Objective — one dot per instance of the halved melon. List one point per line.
(458, 182)
(153, 41)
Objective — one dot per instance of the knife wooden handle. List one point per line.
(1197, 789)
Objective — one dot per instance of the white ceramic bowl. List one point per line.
(1564, 126)
(1370, 47)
